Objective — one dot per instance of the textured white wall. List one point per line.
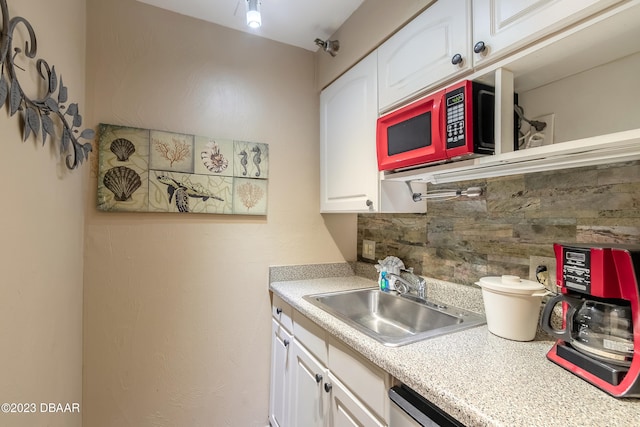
(177, 311)
(41, 235)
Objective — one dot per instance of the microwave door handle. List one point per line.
(439, 123)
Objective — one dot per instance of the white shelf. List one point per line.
(603, 149)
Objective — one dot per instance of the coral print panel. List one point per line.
(250, 196)
(171, 151)
(143, 170)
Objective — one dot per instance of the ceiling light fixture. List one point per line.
(330, 46)
(254, 20)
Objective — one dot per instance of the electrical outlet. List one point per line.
(369, 249)
(547, 132)
(550, 263)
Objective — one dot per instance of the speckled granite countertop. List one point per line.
(477, 377)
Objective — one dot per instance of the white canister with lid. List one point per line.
(512, 306)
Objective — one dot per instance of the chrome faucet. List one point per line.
(416, 283)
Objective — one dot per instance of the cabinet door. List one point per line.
(505, 25)
(348, 162)
(346, 410)
(366, 381)
(420, 54)
(280, 367)
(308, 401)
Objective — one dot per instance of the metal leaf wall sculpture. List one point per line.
(42, 115)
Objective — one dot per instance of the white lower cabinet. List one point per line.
(319, 399)
(281, 342)
(318, 382)
(308, 403)
(346, 410)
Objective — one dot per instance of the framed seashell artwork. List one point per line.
(144, 170)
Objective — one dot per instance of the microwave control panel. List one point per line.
(455, 104)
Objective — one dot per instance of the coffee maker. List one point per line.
(599, 339)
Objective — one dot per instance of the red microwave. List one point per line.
(453, 123)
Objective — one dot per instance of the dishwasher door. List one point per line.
(409, 409)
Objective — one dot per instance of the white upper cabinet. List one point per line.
(348, 162)
(349, 177)
(435, 46)
(501, 26)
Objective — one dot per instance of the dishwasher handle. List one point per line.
(420, 409)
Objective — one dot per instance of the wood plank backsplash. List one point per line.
(517, 217)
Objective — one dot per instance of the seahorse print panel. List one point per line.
(251, 160)
(123, 168)
(171, 151)
(142, 170)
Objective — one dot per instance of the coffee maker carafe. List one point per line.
(599, 340)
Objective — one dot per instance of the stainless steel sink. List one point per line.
(394, 320)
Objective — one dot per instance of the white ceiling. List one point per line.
(294, 22)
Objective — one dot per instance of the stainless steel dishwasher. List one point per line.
(409, 409)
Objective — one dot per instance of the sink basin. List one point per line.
(392, 319)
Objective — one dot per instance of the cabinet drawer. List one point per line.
(282, 312)
(311, 336)
(368, 382)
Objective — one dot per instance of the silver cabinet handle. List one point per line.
(318, 378)
(327, 387)
(479, 47)
(285, 342)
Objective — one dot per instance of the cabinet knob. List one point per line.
(318, 378)
(369, 203)
(278, 310)
(327, 387)
(285, 342)
(479, 47)
(456, 59)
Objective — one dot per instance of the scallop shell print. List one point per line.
(213, 158)
(122, 148)
(122, 181)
